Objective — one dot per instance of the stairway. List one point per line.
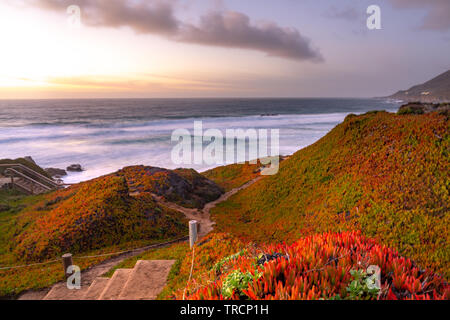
(28, 186)
(4, 181)
(144, 282)
(26, 179)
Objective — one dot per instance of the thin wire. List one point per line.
(28, 265)
(190, 274)
(97, 256)
(131, 250)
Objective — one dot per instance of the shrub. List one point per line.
(410, 110)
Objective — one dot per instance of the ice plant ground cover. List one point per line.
(381, 173)
(94, 217)
(90, 216)
(234, 175)
(321, 266)
(377, 175)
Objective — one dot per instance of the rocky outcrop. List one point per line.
(55, 172)
(75, 168)
(422, 108)
(29, 159)
(185, 187)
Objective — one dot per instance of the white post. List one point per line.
(192, 232)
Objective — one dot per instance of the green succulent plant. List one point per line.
(237, 282)
(363, 286)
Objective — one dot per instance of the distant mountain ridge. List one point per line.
(434, 90)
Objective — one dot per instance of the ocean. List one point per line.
(105, 135)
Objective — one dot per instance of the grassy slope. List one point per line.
(92, 217)
(97, 216)
(381, 173)
(15, 281)
(234, 175)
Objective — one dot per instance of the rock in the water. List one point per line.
(56, 172)
(75, 168)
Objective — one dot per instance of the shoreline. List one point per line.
(105, 147)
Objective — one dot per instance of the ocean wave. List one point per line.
(106, 135)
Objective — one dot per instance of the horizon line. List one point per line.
(191, 98)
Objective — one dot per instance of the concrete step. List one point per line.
(146, 280)
(4, 180)
(96, 288)
(60, 292)
(115, 284)
(28, 186)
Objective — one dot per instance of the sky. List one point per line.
(218, 48)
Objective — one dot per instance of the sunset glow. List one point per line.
(44, 56)
(252, 151)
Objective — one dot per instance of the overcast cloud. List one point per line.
(228, 29)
